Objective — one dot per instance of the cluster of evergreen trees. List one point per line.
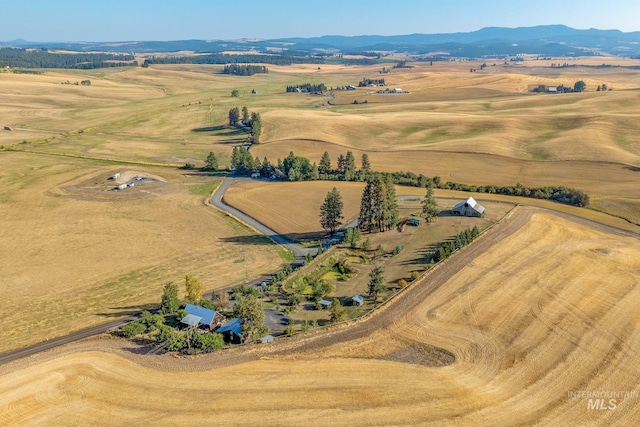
(22, 58)
(378, 206)
(252, 120)
(366, 82)
(461, 240)
(222, 58)
(308, 87)
(244, 70)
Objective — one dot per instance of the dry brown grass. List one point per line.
(75, 255)
(547, 311)
(292, 208)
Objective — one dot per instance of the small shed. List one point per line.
(397, 90)
(468, 208)
(116, 176)
(325, 303)
(232, 331)
(210, 319)
(552, 89)
(266, 339)
(122, 186)
(357, 299)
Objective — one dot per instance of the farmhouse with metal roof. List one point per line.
(468, 208)
(208, 319)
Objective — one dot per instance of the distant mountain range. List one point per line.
(492, 41)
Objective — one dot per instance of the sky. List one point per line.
(160, 20)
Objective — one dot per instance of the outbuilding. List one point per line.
(232, 331)
(266, 339)
(468, 208)
(357, 299)
(325, 303)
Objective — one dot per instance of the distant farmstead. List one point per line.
(468, 208)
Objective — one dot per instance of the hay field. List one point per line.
(525, 323)
(75, 255)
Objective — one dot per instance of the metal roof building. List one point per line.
(209, 318)
(232, 331)
(191, 320)
(468, 208)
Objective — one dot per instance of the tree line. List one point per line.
(223, 58)
(308, 87)
(22, 58)
(251, 120)
(244, 70)
(297, 168)
(461, 240)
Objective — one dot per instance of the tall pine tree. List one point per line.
(429, 205)
(331, 211)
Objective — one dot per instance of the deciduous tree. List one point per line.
(194, 289)
(249, 310)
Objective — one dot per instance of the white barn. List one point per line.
(468, 208)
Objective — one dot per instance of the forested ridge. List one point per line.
(42, 58)
(222, 58)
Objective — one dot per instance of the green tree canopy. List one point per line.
(429, 205)
(325, 164)
(366, 165)
(170, 301)
(234, 116)
(331, 211)
(579, 86)
(337, 311)
(249, 310)
(211, 162)
(376, 282)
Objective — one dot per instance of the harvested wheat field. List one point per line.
(500, 334)
(292, 208)
(75, 253)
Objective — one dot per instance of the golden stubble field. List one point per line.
(75, 255)
(540, 307)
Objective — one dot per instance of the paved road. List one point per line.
(55, 342)
(218, 201)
